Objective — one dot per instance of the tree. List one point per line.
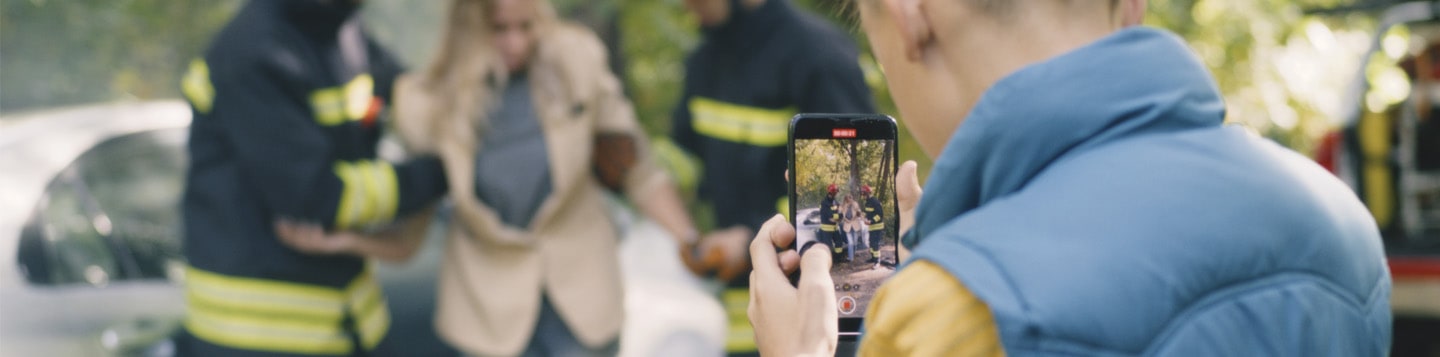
(1282, 72)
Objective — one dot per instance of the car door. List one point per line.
(99, 251)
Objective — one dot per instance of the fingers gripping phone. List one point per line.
(842, 200)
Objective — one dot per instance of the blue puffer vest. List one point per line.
(1099, 206)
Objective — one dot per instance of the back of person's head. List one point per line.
(939, 56)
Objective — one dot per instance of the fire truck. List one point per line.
(1388, 151)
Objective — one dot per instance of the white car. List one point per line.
(90, 237)
(89, 230)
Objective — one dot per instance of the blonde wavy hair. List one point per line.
(461, 76)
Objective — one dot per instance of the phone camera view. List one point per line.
(845, 192)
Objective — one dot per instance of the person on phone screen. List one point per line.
(1086, 199)
(829, 222)
(874, 217)
(850, 225)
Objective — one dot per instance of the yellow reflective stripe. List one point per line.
(357, 96)
(315, 329)
(387, 188)
(374, 325)
(262, 314)
(329, 106)
(685, 167)
(197, 87)
(367, 304)
(209, 299)
(351, 101)
(827, 227)
(877, 226)
(740, 124)
(269, 315)
(370, 194)
(740, 336)
(352, 196)
(1375, 146)
(264, 337)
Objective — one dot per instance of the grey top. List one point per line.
(512, 166)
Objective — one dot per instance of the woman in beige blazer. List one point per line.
(532, 128)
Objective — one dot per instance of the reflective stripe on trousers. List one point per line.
(278, 316)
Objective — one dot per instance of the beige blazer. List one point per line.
(493, 274)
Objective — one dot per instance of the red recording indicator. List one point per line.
(839, 133)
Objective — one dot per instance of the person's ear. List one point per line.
(1132, 12)
(915, 29)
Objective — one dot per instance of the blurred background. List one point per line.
(1282, 71)
(91, 144)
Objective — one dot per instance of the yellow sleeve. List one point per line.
(923, 311)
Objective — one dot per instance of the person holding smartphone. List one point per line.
(1086, 199)
(847, 148)
(760, 63)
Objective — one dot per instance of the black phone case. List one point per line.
(820, 126)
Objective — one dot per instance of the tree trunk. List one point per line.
(854, 166)
(887, 171)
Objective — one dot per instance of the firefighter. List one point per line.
(875, 217)
(286, 105)
(760, 63)
(829, 217)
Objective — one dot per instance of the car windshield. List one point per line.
(113, 213)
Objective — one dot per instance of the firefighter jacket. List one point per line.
(286, 106)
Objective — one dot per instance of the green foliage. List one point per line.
(655, 37)
(847, 164)
(80, 51)
(1283, 73)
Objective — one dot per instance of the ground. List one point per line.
(859, 279)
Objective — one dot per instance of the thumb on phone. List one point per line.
(816, 286)
(907, 192)
(820, 322)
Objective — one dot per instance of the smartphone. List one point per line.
(842, 200)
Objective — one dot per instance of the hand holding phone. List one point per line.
(843, 201)
(791, 320)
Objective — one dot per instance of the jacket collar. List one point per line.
(1136, 81)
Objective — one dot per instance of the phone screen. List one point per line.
(843, 201)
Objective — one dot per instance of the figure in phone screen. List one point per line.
(841, 202)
